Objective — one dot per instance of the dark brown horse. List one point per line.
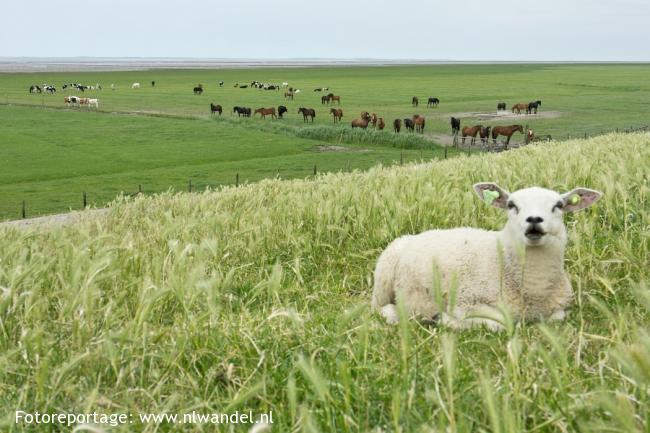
(363, 122)
(471, 131)
(307, 112)
(373, 116)
(324, 99)
(506, 131)
(380, 124)
(409, 124)
(337, 114)
(265, 112)
(281, 110)
(418, 123)
(485, 134)
(288, 95)
(415, 101)
(397, 125)
(501, 106)
(519, 107)
(215, 109)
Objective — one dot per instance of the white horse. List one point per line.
(135, 85)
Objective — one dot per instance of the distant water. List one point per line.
(63, 64)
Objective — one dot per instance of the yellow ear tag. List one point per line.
(575, 199)
(489, 196)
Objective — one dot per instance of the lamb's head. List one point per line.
(535, 214)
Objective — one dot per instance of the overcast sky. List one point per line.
(566, 30)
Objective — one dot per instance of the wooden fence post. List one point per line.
(85, 200)
(445, 152)
(401, 158)
(190, 185)
(140, 188)
(237, 179)
(315, 170)
(24, 212)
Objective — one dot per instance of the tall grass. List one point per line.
(256, 298)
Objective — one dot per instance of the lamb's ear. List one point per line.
(580, 198)
(492, 194)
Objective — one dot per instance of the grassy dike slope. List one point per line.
(256, 298)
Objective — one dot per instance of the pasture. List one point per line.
(257, 298)
(161, 137)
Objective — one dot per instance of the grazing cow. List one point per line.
(50, 89)
(373, 116)
(501, 106)
(220, 83)
(285, 84)
(71, 100)
(471, 131)
(337, 114)
(418, 123)
(34, 89)
(506, 131)
(380, 124)
(243, 86)
(485, 134)
(307, 112)
(198, 90)
(281, 110)
(433, 102)
(84, 101)
(455, 125)
(318, 89)
(397, 126)
(409, 124)
(215, 109)
(93, 102)
(519, 107)
(363, 122)
(533, 106)
(415, 101)
(266, 111)
(135, 85)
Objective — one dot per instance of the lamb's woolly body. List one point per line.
(487, 269)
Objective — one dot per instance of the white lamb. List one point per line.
(520, 267)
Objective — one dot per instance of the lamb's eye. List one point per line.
(558, 205)
(511, 205)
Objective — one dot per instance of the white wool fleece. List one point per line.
(520, 267)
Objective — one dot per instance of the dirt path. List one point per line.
(57, 220)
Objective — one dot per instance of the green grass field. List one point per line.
(257, 298)
(162, 137)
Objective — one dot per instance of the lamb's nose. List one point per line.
(534, 220)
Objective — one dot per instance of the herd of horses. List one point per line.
(529, 108)
(484, 132)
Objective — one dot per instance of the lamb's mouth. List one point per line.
(535, 233)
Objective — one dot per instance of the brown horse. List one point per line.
(506, 131)
(381, 125)
(415, 101)
(265, 111)
(288, 95)
(373, 116)
(397, 125)
(337, 114)
(334, 98)
(519, 107)
(485, 134)
(418, 123)
(307, 112)
(471, 131)
(363, 122)
(215, 108)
